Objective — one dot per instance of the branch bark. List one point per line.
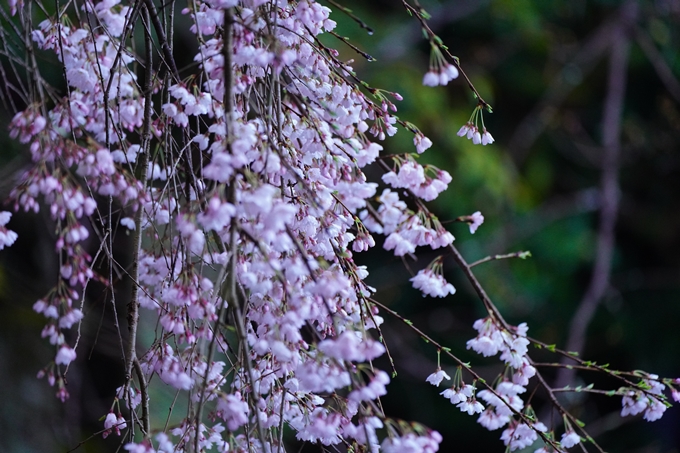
(133, 306)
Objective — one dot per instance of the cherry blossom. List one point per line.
(441, 72)
(569, 439)
(7, 237)
(477, 219)
(432, 284)
(521, 435)
(437, 377)
(65, 355)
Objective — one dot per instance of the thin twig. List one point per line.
(168, 58)
(520, 254)
(227, 275)
(657, 60)
(133, 305)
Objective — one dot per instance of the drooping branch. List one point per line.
(133, 305)
(168, 58)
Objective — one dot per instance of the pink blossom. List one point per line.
(451, 72)
(487, 139)
(143, 447)
(128, 223)
(432, 284)
(437, 377)
(633, 403)
(70, 318)
(463, 131)
(491, 420)
(14, 5)
(487, 346)
(654, 410)
(412, 443)
(7, 237)
(422, 143)
(470, 406)
(65, 355)
(476, 137)
(464, 399)
(410, 175)
(676, 395)
(520, 435)
(233, 410)
(350, 346)
(431, 79)
(273, 203)
(569, 439)
(504, 404)
(374, 389)
(399, 244)
(110, 420)
(477, 219)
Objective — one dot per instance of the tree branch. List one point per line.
(133, 306)
(662, 69)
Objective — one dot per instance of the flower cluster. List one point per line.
(440, 76)
(7, 237)
(505, 402)
(472, 132)
(432, 284)
(413, 177)
(441, 71)
(112, 423)
(648, 399)
(464, 399)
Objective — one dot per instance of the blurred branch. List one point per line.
(133, 306)
(611, 141)
(660, 66)
(584, 61)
